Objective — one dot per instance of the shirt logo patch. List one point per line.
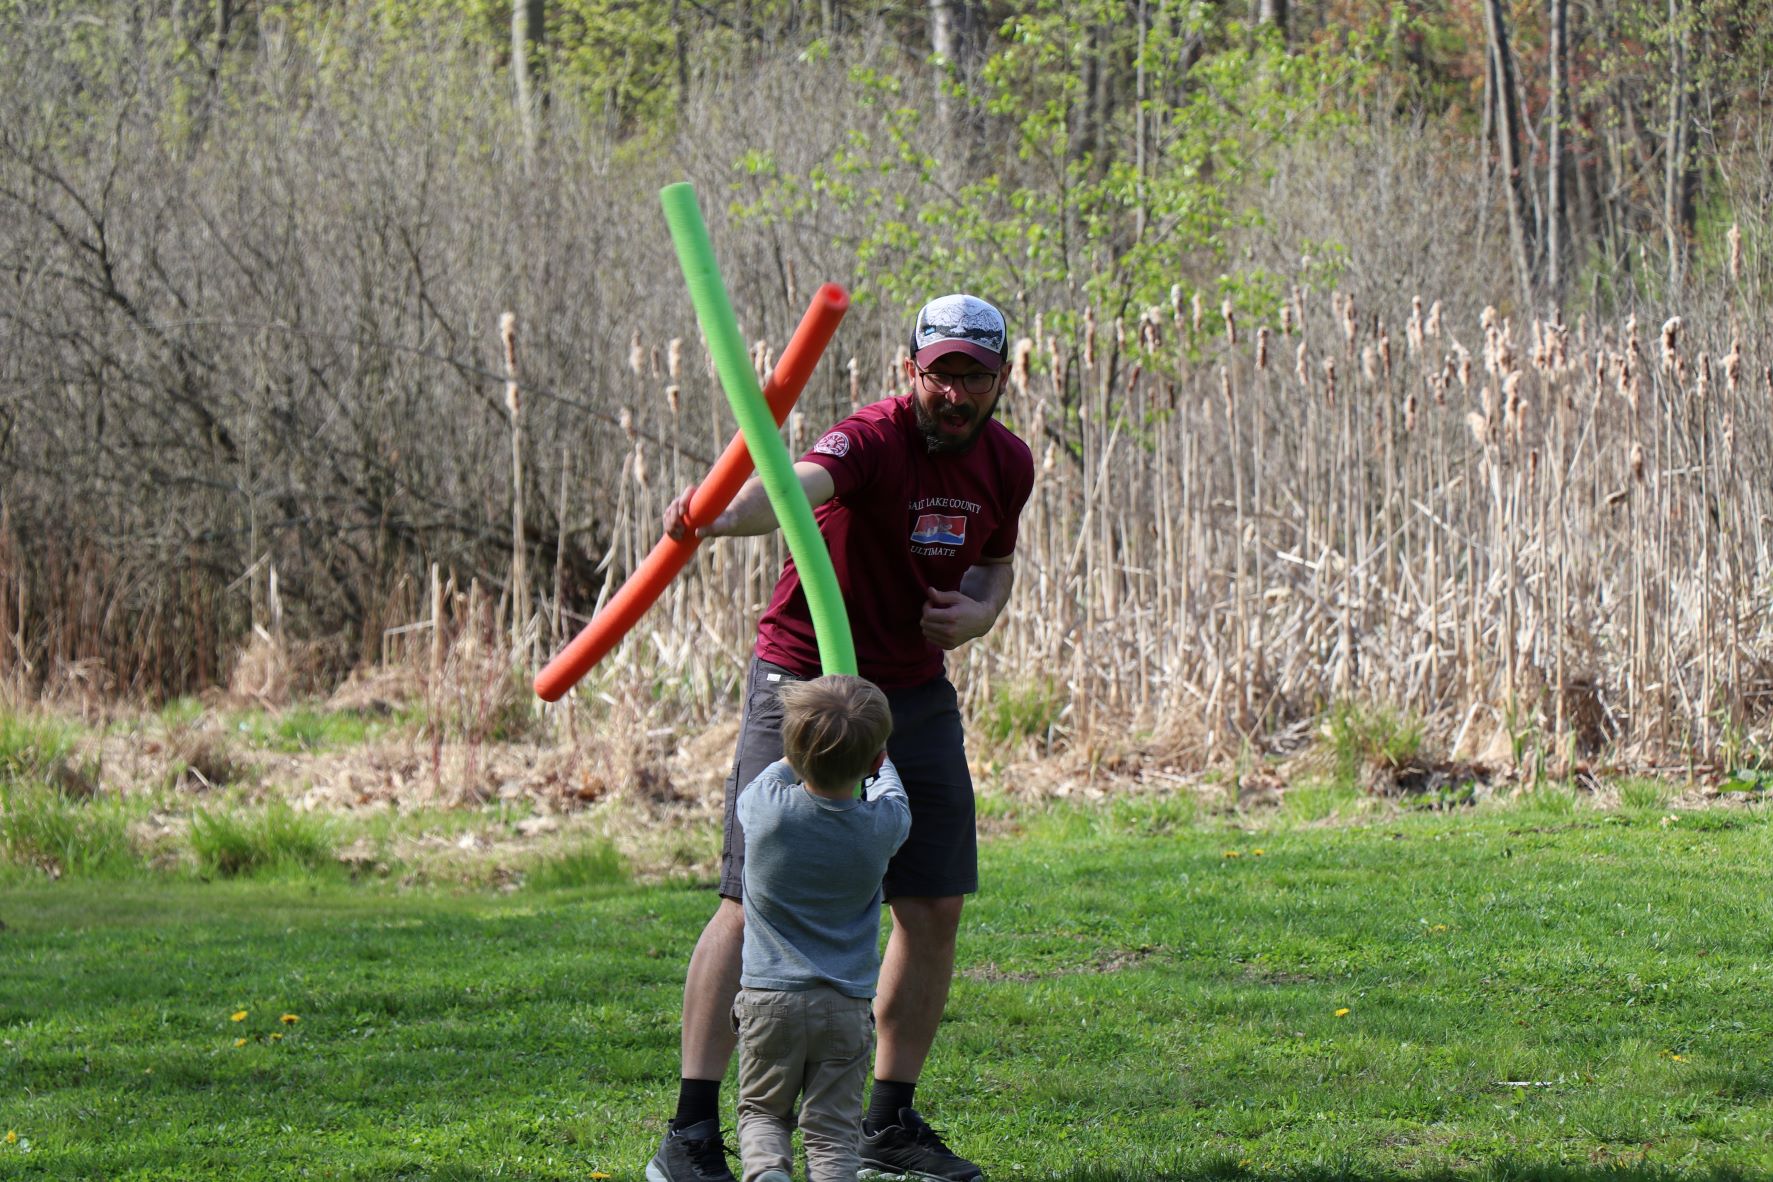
(939, 527)
(833, 443)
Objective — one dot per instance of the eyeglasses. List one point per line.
(978, 382)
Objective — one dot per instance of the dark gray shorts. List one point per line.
(940, 858)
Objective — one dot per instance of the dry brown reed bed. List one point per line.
(1545, 539)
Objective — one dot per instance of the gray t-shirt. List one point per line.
(813, 869)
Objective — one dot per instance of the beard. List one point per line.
(938, 441)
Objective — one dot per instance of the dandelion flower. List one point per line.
(277, 1036)
(240, 1042)
(1256, 853)
(1678, 1058)
(11, 1137)
(289, 1019)
(1232, 854)
(1343, 1012)
(238, 1016)
(598, 1174)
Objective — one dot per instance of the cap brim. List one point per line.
(973, 349)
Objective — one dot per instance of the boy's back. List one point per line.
(813, 871)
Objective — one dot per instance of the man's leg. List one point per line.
(692, 1149)
(914, 977)
(926, 883)
(708, 992)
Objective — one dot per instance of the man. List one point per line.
(917, 498)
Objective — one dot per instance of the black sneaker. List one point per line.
(911, 1149)
(691, 1154)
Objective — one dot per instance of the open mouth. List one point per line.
(955, 418)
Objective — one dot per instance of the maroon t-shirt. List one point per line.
(902, 520)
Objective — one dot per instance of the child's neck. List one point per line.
(830, 793)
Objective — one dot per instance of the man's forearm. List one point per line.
(989, 583)
(749, 514)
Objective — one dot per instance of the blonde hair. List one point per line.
(833, 727)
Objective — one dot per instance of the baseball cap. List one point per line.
(960, 324)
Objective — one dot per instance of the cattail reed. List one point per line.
(1671, 341)
(674, 359)
(1019, 364)
(1302, 366)
(1198, 311)
(1230, 316)
(1262, 348)
(636, 355)
(514, 403)
(1413, 326)
(1735, 239)
(1432, 327)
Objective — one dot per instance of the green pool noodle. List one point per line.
(831, 622)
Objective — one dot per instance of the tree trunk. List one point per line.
(1555, 214)
(1508, 142)
(1677, 189)
(1140, 125)
(957, 36)
(526, 37)
(1273, 12)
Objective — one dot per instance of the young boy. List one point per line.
(815, 856)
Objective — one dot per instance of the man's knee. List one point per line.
(925, 920)
(726, 927)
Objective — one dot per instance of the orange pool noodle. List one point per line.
(669, 556)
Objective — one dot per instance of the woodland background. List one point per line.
(1407, 354)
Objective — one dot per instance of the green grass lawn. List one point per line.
(1502, 993)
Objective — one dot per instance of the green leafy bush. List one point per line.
(276, 837)
(42, 829)
(1020, 710)
(1361, 736)
(596, 864)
